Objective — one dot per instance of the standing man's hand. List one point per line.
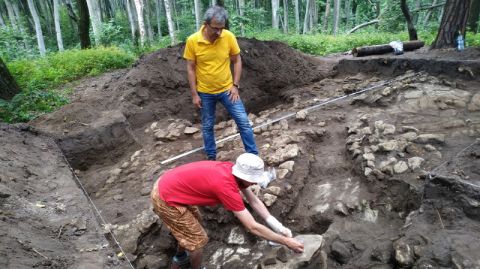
(234, 96)
(197, 101)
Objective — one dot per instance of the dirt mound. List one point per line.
(389, 177)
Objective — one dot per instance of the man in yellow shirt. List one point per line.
(209, 53)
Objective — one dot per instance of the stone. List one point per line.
(301, 115)
(369, 157)
(191, 130)
(116, 172)
(382, 252)
(135, 155)
(161, 134)
(287, 165)
(474, 103)
(390, 145)
(365, 131)
(118, 197)
(312, 242)
(431, 139)
(368, 171)
(282, 173)
(379, 126)
(415, 162)
(388, 129)
(275, 190)
(403, 253)
(405, 129)
(269, 199)
(400, 167)
(283, 254)
(340, 252)
(153, 261)
(341, 209)
(283, 154)
(236, 237)
(409, 136)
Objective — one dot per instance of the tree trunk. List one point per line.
(241, 9)
(47, 16)
(382, 49)
(2, 22)
(275, 5)
(454, 19)
(285, 16)
(141, 24)
(336, 16)
(95, 16)
(427, 15)
(38, 28)
(297, 16)
(326, 16)
(171, 26)
(147, 12)
(83, 24)
(347, 12)
(8, 85)
(307, 16)
(412, 32)
(11, 14)
(57, 24)
(130, 19)
(474, 16)
(159, 21)
(198, 13)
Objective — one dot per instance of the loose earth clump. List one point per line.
(387, 178)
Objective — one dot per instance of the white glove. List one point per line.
(271, 176)
(278, 227)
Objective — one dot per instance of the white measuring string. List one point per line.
(96, 209)
(289, 115)
(431, 174)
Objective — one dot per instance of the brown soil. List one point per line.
(387, 219)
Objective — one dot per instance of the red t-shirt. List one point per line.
(203, 183)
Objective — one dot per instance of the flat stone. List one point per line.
(281, 173)
(269, 199)
(415, 162)
(236, 237)
(431, 139)
(312, 243)
(390, 145)
(403, 253)
(301, 115)
(369, 157)
(191, 130)
(400, 167)
(287, 165)
(388, 129)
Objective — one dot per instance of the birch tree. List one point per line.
(96, 18)
(2, 22)
(198, 13)
(171, 26)
(141, 24)
(285, 16)
(336, 16)
(275, 5)
(157, 12)
(56, 15)
(146, 14)
(130, 18)
(11, 14)
(38, 28)
(326, 16)
(241, 11)
(307, 15)
(297, 16)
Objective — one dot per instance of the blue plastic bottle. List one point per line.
(460, 42)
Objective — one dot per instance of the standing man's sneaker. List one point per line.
(211, 158)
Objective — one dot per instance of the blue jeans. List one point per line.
(236, 111)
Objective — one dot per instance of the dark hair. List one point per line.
(217, 12)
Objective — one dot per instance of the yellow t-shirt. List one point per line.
(212, 61)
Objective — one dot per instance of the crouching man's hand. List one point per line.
(294, 245)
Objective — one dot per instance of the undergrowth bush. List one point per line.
(39, 79)
(321, 44)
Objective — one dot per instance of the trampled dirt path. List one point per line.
(365, 171)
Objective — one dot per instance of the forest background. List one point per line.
(45, 44)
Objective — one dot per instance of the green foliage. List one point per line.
(392, 19)
(16, 44)
(321, 44)
(39, 77)
(473, 39)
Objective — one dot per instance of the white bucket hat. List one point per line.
(250, 167)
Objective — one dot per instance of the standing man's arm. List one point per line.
(237, 73)
(259, 207)
(192, 81)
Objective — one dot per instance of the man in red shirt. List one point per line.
(179, 191)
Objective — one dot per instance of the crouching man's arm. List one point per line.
(260, 208)
(260, 230)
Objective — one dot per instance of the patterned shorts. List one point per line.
(182, 221)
